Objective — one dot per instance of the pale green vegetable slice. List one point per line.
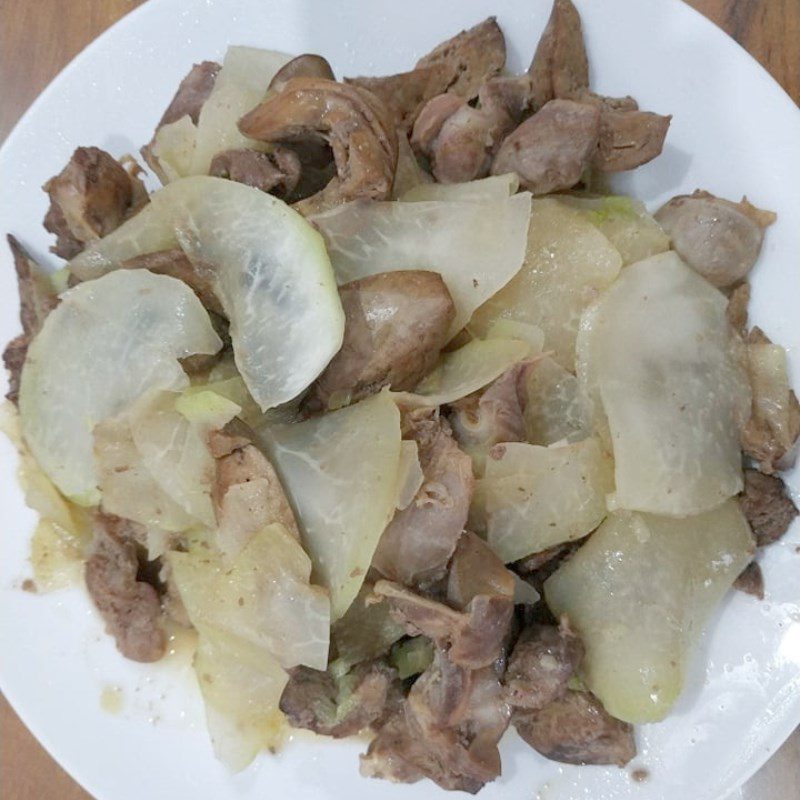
(466, 370)
(241, 686)
(513, 329)
(409, 474)
(625, 223)
(493, 188)
(340, 471)
(659, 358)
(73, 376)
(772, 408)
(173, 149)
(476, 247)
(263, 596)
(553, 407)
(240, 86)
(639, 594)
(567, 263)
(532, 497)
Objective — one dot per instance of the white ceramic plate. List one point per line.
(734, 131)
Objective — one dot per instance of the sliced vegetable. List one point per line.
(674, 404)
(173, 149)
(567, 263)
(532, 498)
(409, 474)
(340, 471)
(412, 656)
(240, 86)
(477, 247)
(513, 329)
(263, 596)
(494, 188)
(639, 594)
(72, 378)
(625, 222)
(463, 371)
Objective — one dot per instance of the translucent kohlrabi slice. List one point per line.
(639, 594)
(409, 474)
(659, 358)
(107, 343)
(466, 370)
(625, 223)
(532, 498)
(477, 247)
(240, 86)
(494, 188)
(263, 596)
(553, 407)
(567, 263)
(273, 277)
(340, 471)
(241, 686)
(173, 149)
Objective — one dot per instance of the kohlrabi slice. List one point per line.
(107, 343)
(639, 594)
(495, 187)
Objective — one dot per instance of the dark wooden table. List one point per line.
(38, 37)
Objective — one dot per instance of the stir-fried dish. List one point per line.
(419, 429)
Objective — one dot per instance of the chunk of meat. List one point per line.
(176, 264)
(396, 323)
(767, 506)
(192, 93)
(473, 638)
(629, 139)
(418, 542)
(543, 660)
(277, 172)
(486, 418)
(89, 198)
(130, 608)
(37, 299)
(560, 66)
(461, 148)
(247, 492)
(751, 581)
(476, 570)
(471, 58)
(576, 729)
(355, 123)
(306, 65)
(447, 730)
(736, 312)
(551, 149)
(718, 238)
(340, 707)
(538, 567)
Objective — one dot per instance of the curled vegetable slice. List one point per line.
(72, 377)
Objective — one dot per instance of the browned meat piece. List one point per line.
(751, 581)
(474, 637)
(717, 238)
(576, 729)
(551, 149)
(338, 707)
(193, 91)
(736, 312)
(175, 264)
(534, 562)
(767, 506)
(471, 57)
(354, 122)
(130, 607)
(417, 544)
(543, 660)
(560, 66)
(307, 65)
(494, 415)
(395, 325)
(431, 119)
(538, 567)
(247, 491)
(603, 102)
(36, 300)
(514, 93)
(447, 730)
(407, 92)
(476, 570)
(629, 139)
(277, 172)
(89, 198)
